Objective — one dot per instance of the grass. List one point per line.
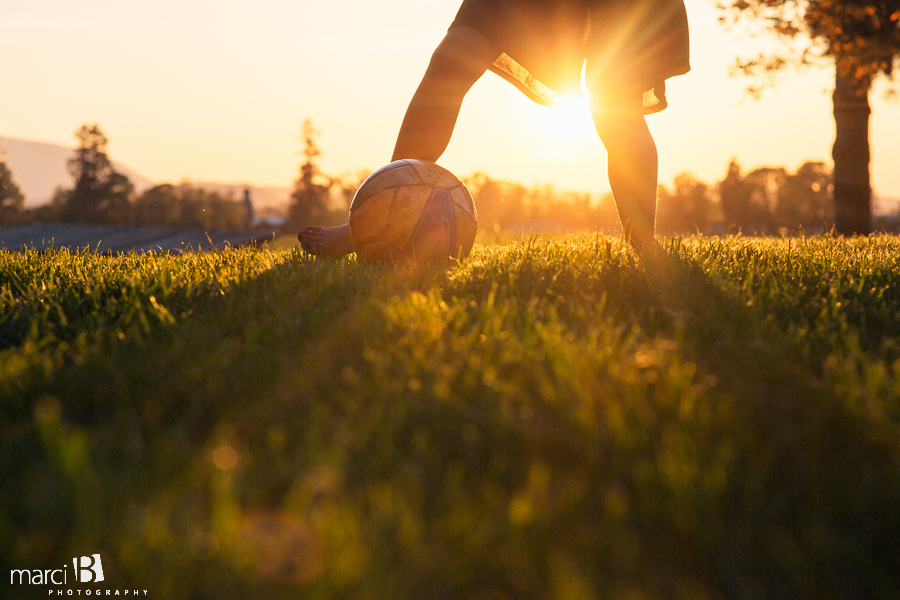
(549, 419)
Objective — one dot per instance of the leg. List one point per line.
(458, 62)
(633, 165)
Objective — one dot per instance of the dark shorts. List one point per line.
(631, 46)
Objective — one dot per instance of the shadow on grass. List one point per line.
(810, 504)
(299, 436)
(113, 454)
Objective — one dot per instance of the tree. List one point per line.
(90, 168)
(765, 185)
(101, 194)
(687, 209)
(749, 201)
(118, 192)
(159, 205)
(735, 198)
(861, 38)
(500, 204)
(348, 184)
(187, 206)
(11, 198)
(803, 200)
(309, 199)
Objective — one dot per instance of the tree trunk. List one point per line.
(852, 192)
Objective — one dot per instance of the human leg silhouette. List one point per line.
(459, 61)
(633, 164)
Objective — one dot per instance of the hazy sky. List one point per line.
(218, 90)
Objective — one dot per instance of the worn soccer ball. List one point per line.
(412, 211)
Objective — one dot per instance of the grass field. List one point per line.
(552, 419)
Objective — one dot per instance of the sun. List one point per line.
(566, 130)
(572, 112)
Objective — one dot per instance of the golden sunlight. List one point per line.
(566, 131)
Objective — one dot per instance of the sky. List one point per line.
(217, 90)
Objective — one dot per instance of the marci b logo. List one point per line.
(91, 569)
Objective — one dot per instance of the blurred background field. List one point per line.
(552, 418)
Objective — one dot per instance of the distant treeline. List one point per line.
(763, 201)
(164, 205)
(766, 200)
(103, 195)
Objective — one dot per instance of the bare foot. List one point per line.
(327, 241)
(644, 245)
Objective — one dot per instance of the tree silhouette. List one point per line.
(803, 200)
(90, 167)
(685, 209)
(118, 192)
(749, 201)
(861, 38)
(734, 197)
(187, 206)
(11, 198)
(309, 199)
(100, 195)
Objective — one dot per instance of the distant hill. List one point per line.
(40, 168)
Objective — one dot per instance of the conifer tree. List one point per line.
(101, 194)
(309, 199)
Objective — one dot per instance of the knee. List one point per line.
(615, 109)
(619, 124)
(620, 131)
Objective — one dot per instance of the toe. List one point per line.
(308, 233)
(308, 246)
(311, 239)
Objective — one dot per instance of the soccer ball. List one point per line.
(412, 211)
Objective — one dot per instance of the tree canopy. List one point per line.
(309, 200)
(863, 36)
(101, 194)
(11, 198)
(862, 39)
(188, 206)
